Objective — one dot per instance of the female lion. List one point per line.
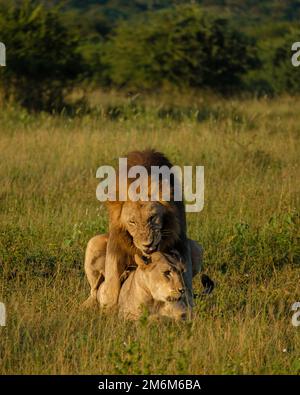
(167, 267)
(156, 284)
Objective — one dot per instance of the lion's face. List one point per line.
(163, 275)
(143, 221)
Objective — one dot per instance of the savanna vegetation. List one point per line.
(230, 47)
(208, 83)
(249, 229)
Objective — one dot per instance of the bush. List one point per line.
(277, 75)
(42, 58)
(181, 46)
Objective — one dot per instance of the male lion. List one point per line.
(144, 227)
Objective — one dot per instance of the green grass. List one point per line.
(249, 229)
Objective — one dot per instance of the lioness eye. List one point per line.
(132, 222)
(167, 273)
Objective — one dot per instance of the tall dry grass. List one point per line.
(249, 229)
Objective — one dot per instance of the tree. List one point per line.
(181, 46)
(42, 58)
(286, 76)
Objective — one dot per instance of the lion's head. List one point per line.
(144, 221)
(147, 225)
(163, 276)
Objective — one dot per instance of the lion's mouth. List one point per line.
(150, 250)
(174, 298)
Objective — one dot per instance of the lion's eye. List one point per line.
(167, 273)
(132, 222)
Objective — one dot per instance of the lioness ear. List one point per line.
(141, 261)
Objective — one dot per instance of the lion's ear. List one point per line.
(142, 262)
(176, 255)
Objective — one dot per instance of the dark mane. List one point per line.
(147, 158)
(174, 229)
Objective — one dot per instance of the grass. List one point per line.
(249, 229)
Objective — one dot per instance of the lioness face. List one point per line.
(143, 221)
(164, 277)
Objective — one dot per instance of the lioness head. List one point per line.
(163, 276)
(144, 221)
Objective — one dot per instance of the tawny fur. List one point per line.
(149, 287)
(124, 241)
(94, 264)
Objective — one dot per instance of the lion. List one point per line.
(156, 284)
(144, 227)
(95, 258)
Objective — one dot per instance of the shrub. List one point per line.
(181, 46)
(42, 58)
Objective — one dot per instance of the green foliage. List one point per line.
(183, 47)
(244, 11)
(143, 45)
(42, 59)
(277, 74)
(286, 77)
(274, 38)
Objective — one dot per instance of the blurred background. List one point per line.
(226, 46)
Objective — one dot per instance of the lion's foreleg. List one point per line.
(92, 299)
(114, 267)
(94, 265)
(176, 310)
(110, 289)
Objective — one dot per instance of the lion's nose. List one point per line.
(147, 244)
